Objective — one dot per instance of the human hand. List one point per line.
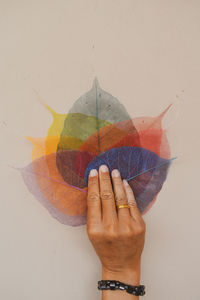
(117, 235)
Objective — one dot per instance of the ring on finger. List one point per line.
(123, 206)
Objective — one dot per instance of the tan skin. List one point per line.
(117, 235)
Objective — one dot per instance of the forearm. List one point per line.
(131, 277)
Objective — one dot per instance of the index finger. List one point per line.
(93, 199)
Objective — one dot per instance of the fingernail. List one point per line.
(103, 168)
(125, 182)
(115, 173)
(93, 173)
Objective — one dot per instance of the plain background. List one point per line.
(145, 53)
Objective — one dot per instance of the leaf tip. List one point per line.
(95, 82)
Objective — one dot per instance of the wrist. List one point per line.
(130, 276)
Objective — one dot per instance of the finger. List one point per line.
(120, 195)
(134, 211)
(93, 199)
(107, 196)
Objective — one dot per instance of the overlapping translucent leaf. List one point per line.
(97, 129)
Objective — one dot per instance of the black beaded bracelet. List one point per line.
(138, 290)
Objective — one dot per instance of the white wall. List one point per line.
(146, 53)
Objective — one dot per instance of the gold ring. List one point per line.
(123, 206)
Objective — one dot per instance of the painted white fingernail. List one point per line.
(103, 168)
(93, 173)
(125, 182)
(115, 173)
